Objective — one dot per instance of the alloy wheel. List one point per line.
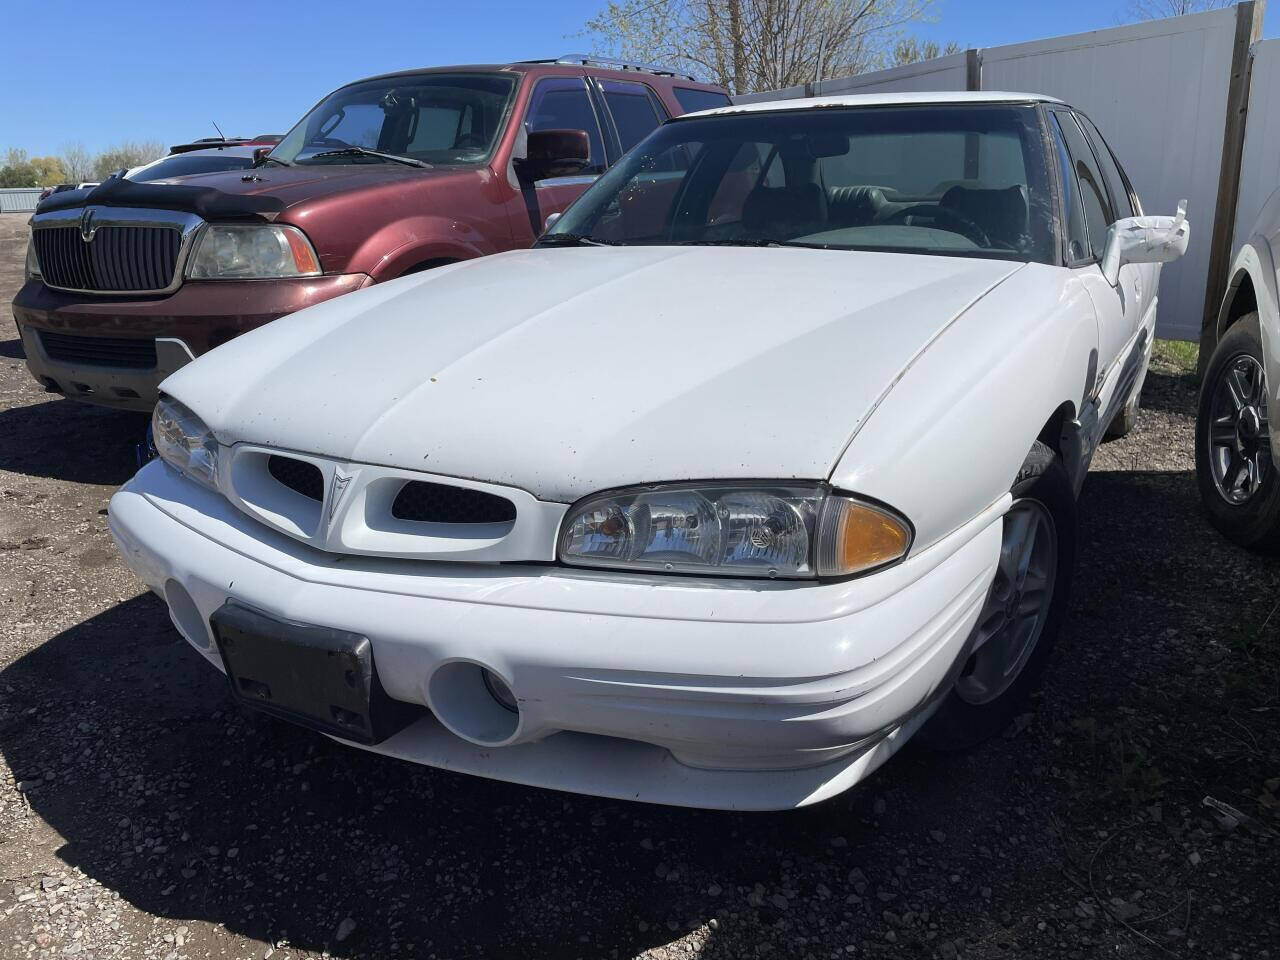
(1017, 606)
(1239, 433)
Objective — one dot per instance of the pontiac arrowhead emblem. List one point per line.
(87, 227)
(340, 483)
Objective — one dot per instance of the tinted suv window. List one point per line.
(562, 103)
(1097, 208)
(1110, 169)
(632, 110)
(691, 100)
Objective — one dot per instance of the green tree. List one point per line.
(49, 171)
(17, 170)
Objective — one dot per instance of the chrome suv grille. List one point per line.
(132, 259)
(134, 353)
(113, 249)
(298, 475)
(436, 503)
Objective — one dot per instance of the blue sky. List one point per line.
(99, 73)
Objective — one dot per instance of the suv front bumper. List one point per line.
(734, 695)
(194, 319)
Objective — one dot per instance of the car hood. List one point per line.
(293, 185)
(564, 371)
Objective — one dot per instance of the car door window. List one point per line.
(632, 111)
(1093, 191)
(1077, 235)
(1117, 183)
(562, 103)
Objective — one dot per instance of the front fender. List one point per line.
(947, 440)
(392, 250)
(1255, 262)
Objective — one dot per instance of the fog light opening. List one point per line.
(474, 703)
(186, 615)
(499, 690)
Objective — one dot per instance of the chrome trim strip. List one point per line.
(187, 224)
(576, 180)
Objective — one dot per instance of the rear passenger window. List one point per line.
(1093, 192)
(691, 100)
(1116, 184)
(632, 111)
(562, 103)
(1077, 235)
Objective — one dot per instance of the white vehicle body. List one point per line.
(917, 381)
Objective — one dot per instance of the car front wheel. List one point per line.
(1234, 469)
(1010, 644)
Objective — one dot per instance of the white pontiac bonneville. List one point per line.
(762, 460)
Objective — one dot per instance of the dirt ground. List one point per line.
(143, 815)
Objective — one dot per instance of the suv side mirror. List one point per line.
(260, 152)
(1145, 240)
(555, 153)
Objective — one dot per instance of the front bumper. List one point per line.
(194, 319)
(760, 695)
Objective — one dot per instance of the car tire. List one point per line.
(999, 669)
(1243, 510)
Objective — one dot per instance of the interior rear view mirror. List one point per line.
(827, 145)
(556, 153)
(1145, 240)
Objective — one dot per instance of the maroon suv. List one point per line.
(384, 177)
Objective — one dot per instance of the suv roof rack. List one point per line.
(609, 63)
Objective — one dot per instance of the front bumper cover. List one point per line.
(758, 695)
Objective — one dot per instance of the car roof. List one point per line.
(880, 100)
(545, 66)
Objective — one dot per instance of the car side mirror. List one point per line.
(260, 152)
(555, 153)
(550, 221)
(1145, 240)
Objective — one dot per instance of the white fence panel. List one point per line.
(941, 73)
(1158, 93)
(1260, 165)
(19, 199)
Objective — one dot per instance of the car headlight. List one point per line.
(755, 530)
(252, 251)
(183, 441)
(33, 265)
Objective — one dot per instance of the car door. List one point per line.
(1117, 308)
(560, 103)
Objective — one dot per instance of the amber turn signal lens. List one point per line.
(855, 537)
(303, 256)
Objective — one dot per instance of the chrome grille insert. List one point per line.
(113, 249)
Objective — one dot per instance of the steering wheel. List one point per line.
(958, 222)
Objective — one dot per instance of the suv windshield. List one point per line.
(951, 179)
(431, 118)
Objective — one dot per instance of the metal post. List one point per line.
(1249, 15)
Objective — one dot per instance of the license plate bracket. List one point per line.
(319, 677)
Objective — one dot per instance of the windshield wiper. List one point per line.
(261, 160)
(732, 243)
(364, 152)
(571, 240)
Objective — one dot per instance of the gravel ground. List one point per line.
(143, 815)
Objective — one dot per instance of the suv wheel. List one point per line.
(1237, 478)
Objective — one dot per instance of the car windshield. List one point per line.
(948, 179)
(187, 164)
(429, 118)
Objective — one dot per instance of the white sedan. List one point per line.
(761, 461)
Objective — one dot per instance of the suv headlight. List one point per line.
(252, 251)
(33, 265)
(754, 530)
(183, 441)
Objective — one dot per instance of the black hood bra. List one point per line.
(206, 202)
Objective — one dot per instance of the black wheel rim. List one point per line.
(1239, 435)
